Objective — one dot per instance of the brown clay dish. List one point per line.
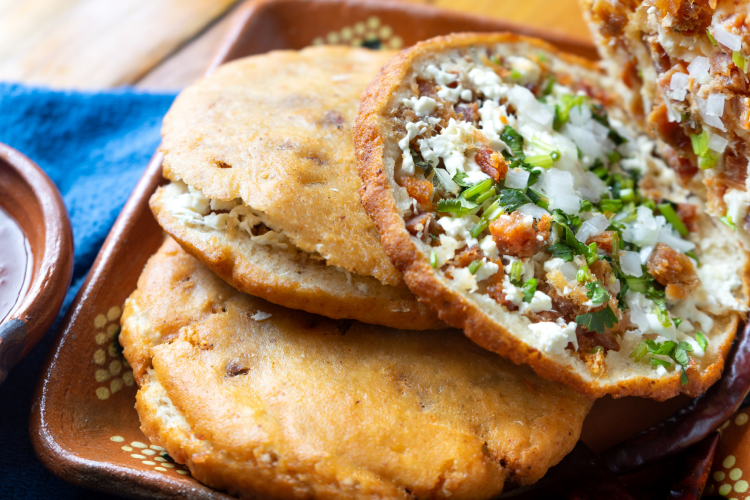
(83, 425)
(30, 197)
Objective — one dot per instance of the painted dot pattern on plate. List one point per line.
(370, 33)
(731, 467)
(151, 455)
(112, 371)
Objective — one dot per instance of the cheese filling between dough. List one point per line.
(195, 209)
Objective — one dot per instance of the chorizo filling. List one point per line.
(524, 192)
(694, 58)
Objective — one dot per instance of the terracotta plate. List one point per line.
(83, 425)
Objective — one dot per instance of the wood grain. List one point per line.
(95, 43)
(166, 44)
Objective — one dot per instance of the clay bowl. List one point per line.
(31, 198)
(84, 427)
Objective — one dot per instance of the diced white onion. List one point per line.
(587, 139)
(517, 178)
(677, 95)
(679, 81)
(715, 105)
(730, 40)
(717, 143)
(630, 262)
(569, 203)
(530, 209)
(645, 253)
(580, 115)
(528, 106)
(675, 242)
(644, 231)
(596, 187)
(447, 181)
(714, 121)
(698, 69)
(678, 86)
(592, 227)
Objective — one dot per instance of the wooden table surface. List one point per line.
(166, 44)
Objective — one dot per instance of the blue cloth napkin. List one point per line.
(94, 146)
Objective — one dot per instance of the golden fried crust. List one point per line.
(498, 332)
(275, 130)
(297, 405)
(290, 279)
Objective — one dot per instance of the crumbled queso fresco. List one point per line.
(524, 192)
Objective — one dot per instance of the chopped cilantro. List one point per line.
(657, 362)
(589, 252)
(680, 353)
(586, 206)
(460, 179)
(418, 161)
(528, 289)
(511, 199)
(677, 352)
(613, 206)
(701, 340)
(598, 321)
(565, 220)
(458, 206)
(677, 322)
(538, 198)
(514, 141)
(596, 292)
(562, 251)
(660, 348)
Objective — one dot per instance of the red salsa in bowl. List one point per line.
(16, 263)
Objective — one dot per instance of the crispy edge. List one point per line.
(451, 306)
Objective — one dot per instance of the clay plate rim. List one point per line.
(51, 241)
(129, 232)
